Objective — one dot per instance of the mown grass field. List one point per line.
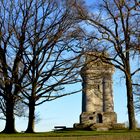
(75, 135)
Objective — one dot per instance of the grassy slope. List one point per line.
(75, 135)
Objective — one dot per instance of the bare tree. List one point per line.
(114, 25)
(52, 56)
(12, 37)
(40, 49)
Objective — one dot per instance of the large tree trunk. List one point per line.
(130, 103)
(10, 120)
(129, 89)
(31, 118)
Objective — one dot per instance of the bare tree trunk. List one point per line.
(10, 120)
(31, 118)
(129, 88)
(130, 104)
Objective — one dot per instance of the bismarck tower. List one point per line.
(97, 97)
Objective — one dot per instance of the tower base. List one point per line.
(98, 117)
(100, 121)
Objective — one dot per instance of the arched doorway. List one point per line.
(99, 118)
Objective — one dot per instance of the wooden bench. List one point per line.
(59, 127)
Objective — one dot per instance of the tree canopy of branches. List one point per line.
(115, 28)
(40, 45)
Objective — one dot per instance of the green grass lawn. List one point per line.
(75, 135)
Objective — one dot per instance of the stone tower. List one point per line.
(97, 96)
